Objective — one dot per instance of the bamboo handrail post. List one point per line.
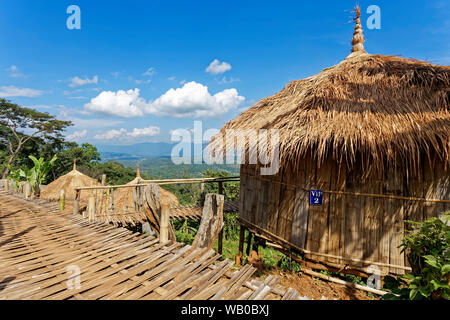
(76, 202)
(91, 209)
(62, 200)
(111, 201)
(164, 223)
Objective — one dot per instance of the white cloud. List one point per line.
(217, 67)
(122, 133)
(144, 132)
(12, 91)
(77, 135)
(172, 78)
(191, 100)
(14, 72)
(76, 81)
(126, 104)
(150, 72)
(115, 74)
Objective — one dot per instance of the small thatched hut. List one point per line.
(68, 183)
(124, 196)
(373, 134)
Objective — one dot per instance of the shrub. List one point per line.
(427, 247)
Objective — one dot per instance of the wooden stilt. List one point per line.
(249, 242)
(220, 241)
(241, 245)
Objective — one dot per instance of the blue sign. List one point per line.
(316, 197)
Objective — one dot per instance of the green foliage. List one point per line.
(230, 189)
(286, 263)
(15, 177)
(427, 247)
(37, 174)
(231, 227)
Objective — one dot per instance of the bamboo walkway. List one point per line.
(42, 249)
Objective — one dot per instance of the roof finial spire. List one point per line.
(358, 37)
(138, 172)
(74, 164)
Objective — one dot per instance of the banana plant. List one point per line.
(15, 177)
(37, 175)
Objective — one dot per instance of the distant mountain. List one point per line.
(139, 151)
(136, 151)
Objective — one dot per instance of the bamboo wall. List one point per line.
(360, 227)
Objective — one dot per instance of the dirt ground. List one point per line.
(317, 288)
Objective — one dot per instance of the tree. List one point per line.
(17, 120)
(86, 156)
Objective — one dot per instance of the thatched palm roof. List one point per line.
(68, 183)
(124, 196)
(379, 108)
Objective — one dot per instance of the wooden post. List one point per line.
(211, 223)
(6, 185)
(135, 200)
(111, 201)
(152, 210)
(76, 202)
(91, 209)
(220, 240)
(241, 245)
(164, 224)
(62, 199)
(202, 193)
(27, 190)
(104, 197)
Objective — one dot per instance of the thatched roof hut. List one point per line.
(366, 132)
(68, 183)
(124, 196)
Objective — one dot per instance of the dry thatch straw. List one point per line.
(383, 110)
(68, 183)
(124, 196)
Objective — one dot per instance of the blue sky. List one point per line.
(139, 69)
